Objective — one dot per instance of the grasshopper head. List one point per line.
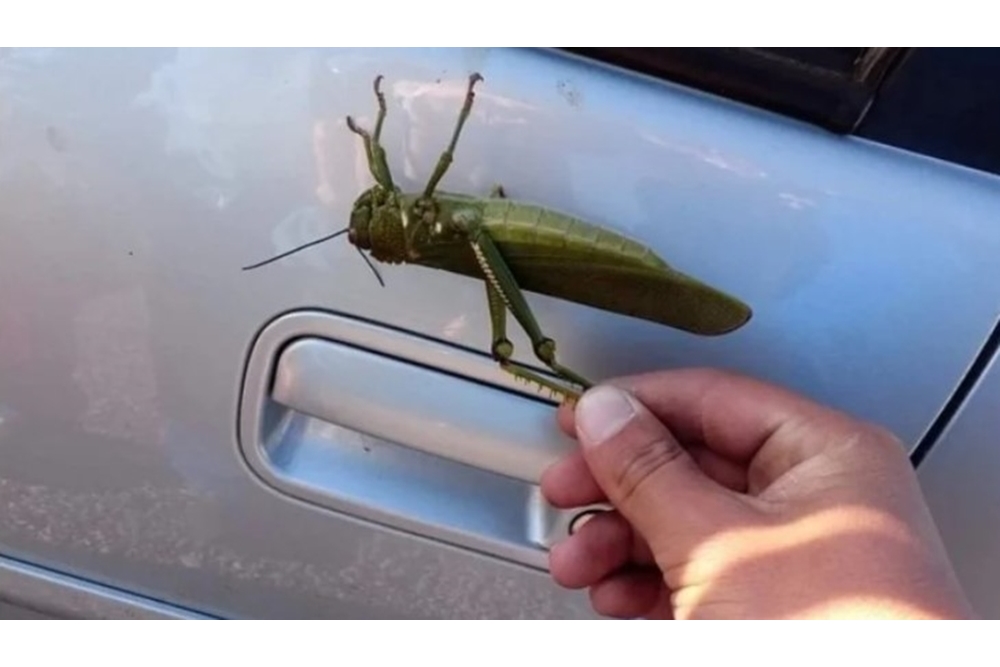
(377, 225)
(362, 213)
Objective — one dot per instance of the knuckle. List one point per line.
(874, 437)
(885, 437)
(868, 437)
(643, 462)
(608, 605)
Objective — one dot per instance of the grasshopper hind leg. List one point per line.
(502, 350)
(503, 293)
(545, 350)
(531, 377)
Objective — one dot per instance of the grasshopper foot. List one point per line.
(555, 389)
(353, 127)
(545, 350)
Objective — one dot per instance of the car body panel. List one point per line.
(30, 592)
(959, 479)
(134, 185)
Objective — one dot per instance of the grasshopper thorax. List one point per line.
(377, 225)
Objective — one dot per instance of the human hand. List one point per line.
(737, 499)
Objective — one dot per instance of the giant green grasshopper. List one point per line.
(515, 247)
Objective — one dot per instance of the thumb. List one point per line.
(645, 473)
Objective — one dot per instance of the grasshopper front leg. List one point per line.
(377, 163)
(449, 153)
(498, 275)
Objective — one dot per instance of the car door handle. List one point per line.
(434, 412)
(403, 430)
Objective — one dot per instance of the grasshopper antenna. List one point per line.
(301, 247)
(371, 266)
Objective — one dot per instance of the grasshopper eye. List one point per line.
(360, 229)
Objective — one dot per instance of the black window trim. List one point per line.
(836, 99)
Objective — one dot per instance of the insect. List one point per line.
(515, 247)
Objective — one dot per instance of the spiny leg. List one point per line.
(502, 349)
(445, 160)
(498, 274)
